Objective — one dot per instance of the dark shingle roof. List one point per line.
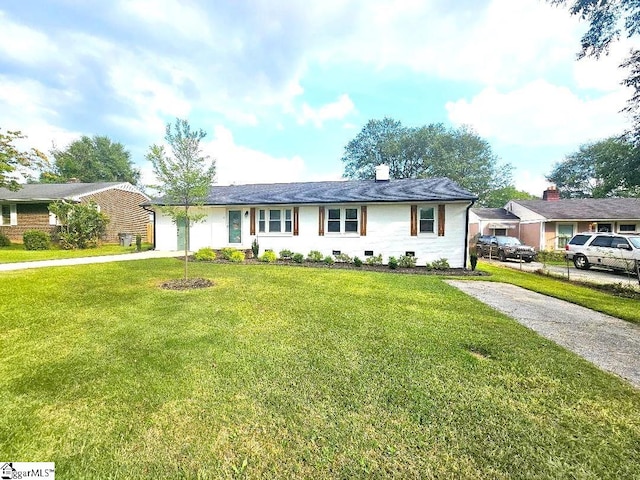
(53, 191)
(406, 190)
(494, 214)
(585, 208)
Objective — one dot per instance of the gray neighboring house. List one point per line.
(28, 207)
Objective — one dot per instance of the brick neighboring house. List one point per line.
(28, 208)
(549, 223)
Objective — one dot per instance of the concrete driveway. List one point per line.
(608, 342)
(593, 275)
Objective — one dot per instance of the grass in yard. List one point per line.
(17, 253)
(290, 372)
(625, 308)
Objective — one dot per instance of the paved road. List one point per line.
(608, 342)
(592, 275)
(6, 267)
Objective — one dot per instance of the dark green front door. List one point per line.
(235, 226)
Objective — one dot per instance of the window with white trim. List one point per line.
(8, 214)
(427, 219)
(275, 220)
(627, 227)
(343, 220)
(564, 232)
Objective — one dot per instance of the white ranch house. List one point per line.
(427, 218)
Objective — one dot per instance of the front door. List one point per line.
(181, 223)
(235, 226)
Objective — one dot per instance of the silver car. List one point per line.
(607, 250)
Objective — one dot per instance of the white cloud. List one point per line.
(240, 165)
(540, 113)
(331, 111)
(533, 183)
(24, 44)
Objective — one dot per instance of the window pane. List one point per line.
(426, 213)
(565, 230)
(333, 226)
(334, 214)
(287, 226)
(261, 226)
(287, 214)
(351, 226)
(274, 215)
(6, 215)
(603, 241)
(628, 228)
(261, 214)
(426, 226)
(351, 213)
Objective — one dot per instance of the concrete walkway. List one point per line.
(6, 267)
(608, 342)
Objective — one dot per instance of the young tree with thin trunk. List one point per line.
(185, 176)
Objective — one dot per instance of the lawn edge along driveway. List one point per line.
(608, 342)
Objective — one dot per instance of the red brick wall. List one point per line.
(122, 207)
(124, 212)
(31, 216)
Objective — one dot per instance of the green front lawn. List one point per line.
(17, 253)
(293, 372)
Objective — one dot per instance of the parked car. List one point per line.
(498, 246)
(607, 250)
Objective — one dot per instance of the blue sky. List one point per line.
(281, 87)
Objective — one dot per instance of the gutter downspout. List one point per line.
(154, 224)
(466, 235)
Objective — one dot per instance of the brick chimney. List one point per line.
(551, 194)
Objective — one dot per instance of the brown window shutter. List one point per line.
(320, 221)
(252, 221)
(363, 220)
(296, 216)
(441, 220)
(414, 220)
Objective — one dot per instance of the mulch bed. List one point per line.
(187, 284)
(451, 272)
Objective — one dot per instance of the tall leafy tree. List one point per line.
(429, 151)
(608, 168)
(608, 21)
(95, 159)
(185, 176)
(500, 197)
(15, 163)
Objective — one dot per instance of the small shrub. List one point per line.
(407, 261)
(36, 240)
(329, 260)
(357, 262)
(269, 256)
(255, 248)
(473, 259)
(428, 266)
(343, 258)
(441, 264)
(546, 256)
(377, 260)
(205, 254)
(227, 252)
(286, 254)
(138, 243)
(298, 257)
(237, 256)
(392, 263)
(4, 241)
(315, 256)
